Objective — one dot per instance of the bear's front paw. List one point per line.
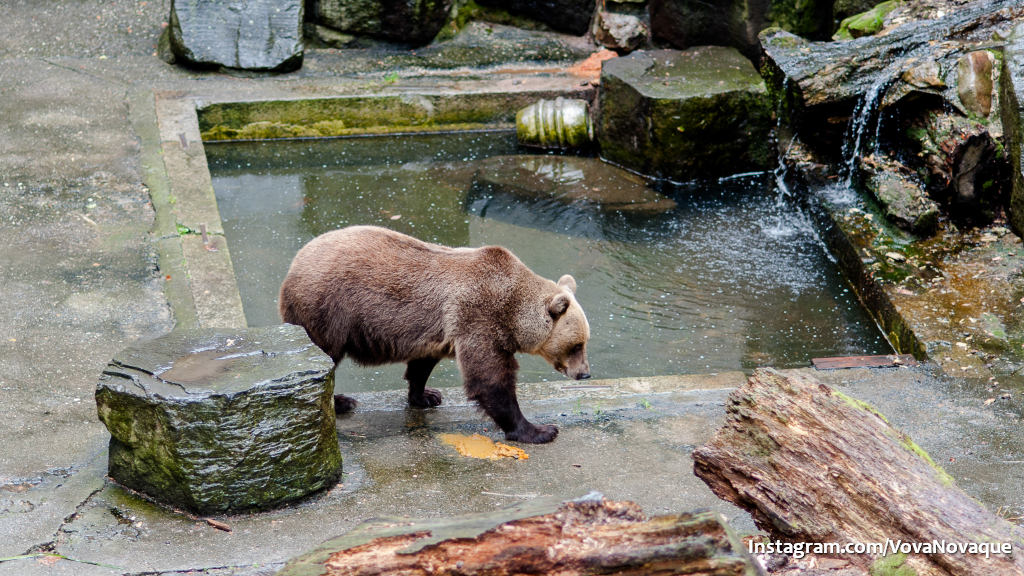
(533, 434)
(431, 397)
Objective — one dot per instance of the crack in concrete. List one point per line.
(51, 554)
(50, 547)
(87, 73)
(258, 570)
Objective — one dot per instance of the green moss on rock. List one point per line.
(866, 23)
(218, 421)
(892, 565)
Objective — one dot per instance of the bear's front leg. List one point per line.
(416, 374)
(489, 376)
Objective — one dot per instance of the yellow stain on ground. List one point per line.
(478, 446)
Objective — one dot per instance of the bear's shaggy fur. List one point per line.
(379, 297)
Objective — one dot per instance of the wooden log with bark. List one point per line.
(823, 73)
(813, 465)
(591, 535)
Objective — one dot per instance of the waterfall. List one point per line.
(865, 119)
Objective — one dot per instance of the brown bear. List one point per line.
(378, 296)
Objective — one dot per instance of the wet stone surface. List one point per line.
(221, 420)
(568, 180)
(698, 113)
(249, 35)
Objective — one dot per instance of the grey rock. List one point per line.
(487, 44)
(221, 420)
(682, 115)
(902, 196)
(620, 32)
(260, 35)
(413, 22)
(571, 179)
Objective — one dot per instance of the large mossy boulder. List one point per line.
(263, 35)
(413, 22)
(866, 23)
(216, 421)
(1012, 98)
(702, 112)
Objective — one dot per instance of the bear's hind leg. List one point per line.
(343, 404)
(416, 374)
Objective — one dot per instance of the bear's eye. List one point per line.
(577, 349)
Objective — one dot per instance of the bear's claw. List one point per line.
(428, 399)
(533, 434)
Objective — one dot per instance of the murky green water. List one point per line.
(725, 278)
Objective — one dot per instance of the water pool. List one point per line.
(687, 279)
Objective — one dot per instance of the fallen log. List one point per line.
(591, 535)
(824, 73)
(813, 465)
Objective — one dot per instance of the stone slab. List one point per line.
(243, 34)
(683, 115)
(571, 180)
(221, 420)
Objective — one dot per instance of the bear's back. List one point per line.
(381, 296)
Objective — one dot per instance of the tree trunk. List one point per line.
(813, 465)
(587, 536)
(823, 73)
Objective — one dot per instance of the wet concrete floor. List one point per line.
(630, 439)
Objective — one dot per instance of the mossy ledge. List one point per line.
(360, 115)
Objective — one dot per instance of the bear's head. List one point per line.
(565, 347)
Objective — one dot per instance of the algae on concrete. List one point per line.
(366, 114)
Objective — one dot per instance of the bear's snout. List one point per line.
(579, 372)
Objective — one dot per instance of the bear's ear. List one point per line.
(558, 305)
(568, 282)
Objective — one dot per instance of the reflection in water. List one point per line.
(725, 278)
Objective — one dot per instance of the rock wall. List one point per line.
(1012, 91)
